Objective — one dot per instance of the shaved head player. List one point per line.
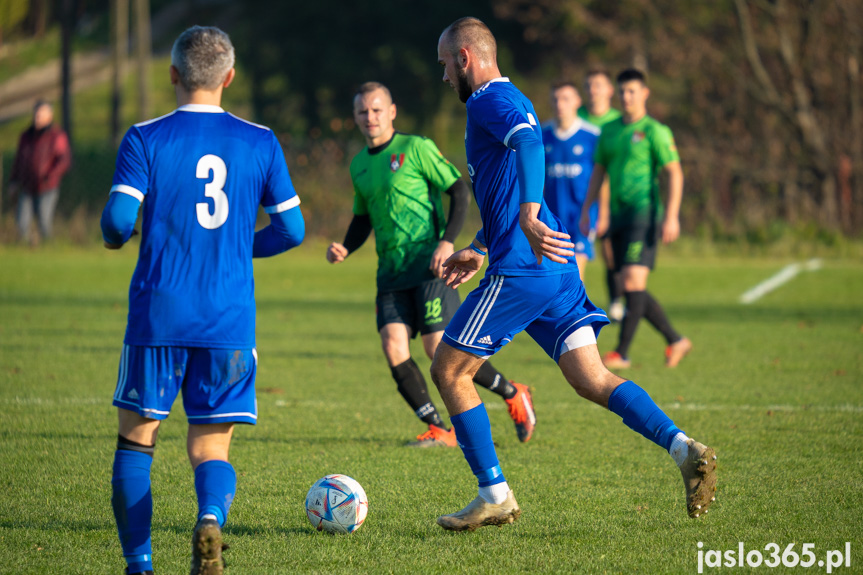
(531, 284)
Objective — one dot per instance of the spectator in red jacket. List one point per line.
(42, 159)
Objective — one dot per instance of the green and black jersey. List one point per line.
(399, 185)
(633, 155)
(599, 121)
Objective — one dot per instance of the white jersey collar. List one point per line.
(490, 82)
(203, 108)
(564, 136)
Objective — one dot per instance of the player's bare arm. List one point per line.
(593, 191)
(441, 254)
(603, 220)
(671, 223)
(544, 241)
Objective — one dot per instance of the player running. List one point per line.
(531, 285)
(191, 326)
(569, 146)
(598, 111)
(398, 180)
(633, 150)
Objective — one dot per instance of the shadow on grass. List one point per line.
(54, 347)
(319, 442)
(108, 439)
(42, 299)
(264, 303)
(721, 313)
(87, 526)
(233, 529)
(270, 304)
(58, 525)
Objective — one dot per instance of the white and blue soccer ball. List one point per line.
(337, 504)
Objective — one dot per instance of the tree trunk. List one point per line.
(791, 197)
(856, 175)
(119, 47)
(829, 205)
(67, 25)
(38, 17)
(142, 29)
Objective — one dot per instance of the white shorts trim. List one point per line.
(217, 415)
(145, 410)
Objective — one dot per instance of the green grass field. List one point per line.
(776, 387)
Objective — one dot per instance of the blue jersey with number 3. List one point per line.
(201, 173)
(495, 112)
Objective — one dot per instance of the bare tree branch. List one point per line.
(754, 58)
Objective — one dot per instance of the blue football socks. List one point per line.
(215, 484)
(132, 501)
(473, 432)
(642, 415)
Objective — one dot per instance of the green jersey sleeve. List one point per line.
(663, 147)
(437, 169)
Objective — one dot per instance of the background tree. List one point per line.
(760, 94)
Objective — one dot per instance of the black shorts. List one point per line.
(426, 308)
(634, 244)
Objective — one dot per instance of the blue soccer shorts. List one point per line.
(583, 243)
(549, 308)
(218, 385)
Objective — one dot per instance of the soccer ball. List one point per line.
(337, 504)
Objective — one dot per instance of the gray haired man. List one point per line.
(191, 327)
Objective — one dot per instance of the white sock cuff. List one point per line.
(494, 493)
(679, 449)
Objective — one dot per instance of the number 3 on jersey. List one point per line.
(214, 190)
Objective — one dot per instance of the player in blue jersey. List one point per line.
(201, 174)
(569, 145)
(531, 285)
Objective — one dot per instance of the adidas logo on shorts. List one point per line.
(133, 394)
(485, 340)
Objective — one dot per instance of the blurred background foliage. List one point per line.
(763, 96)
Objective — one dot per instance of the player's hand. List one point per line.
(544, 241)
(336, 253)
(584, 222)
(443, 251)
(461, 266)
(670, 229)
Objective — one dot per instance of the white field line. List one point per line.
(784, 276)
(674, 406)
